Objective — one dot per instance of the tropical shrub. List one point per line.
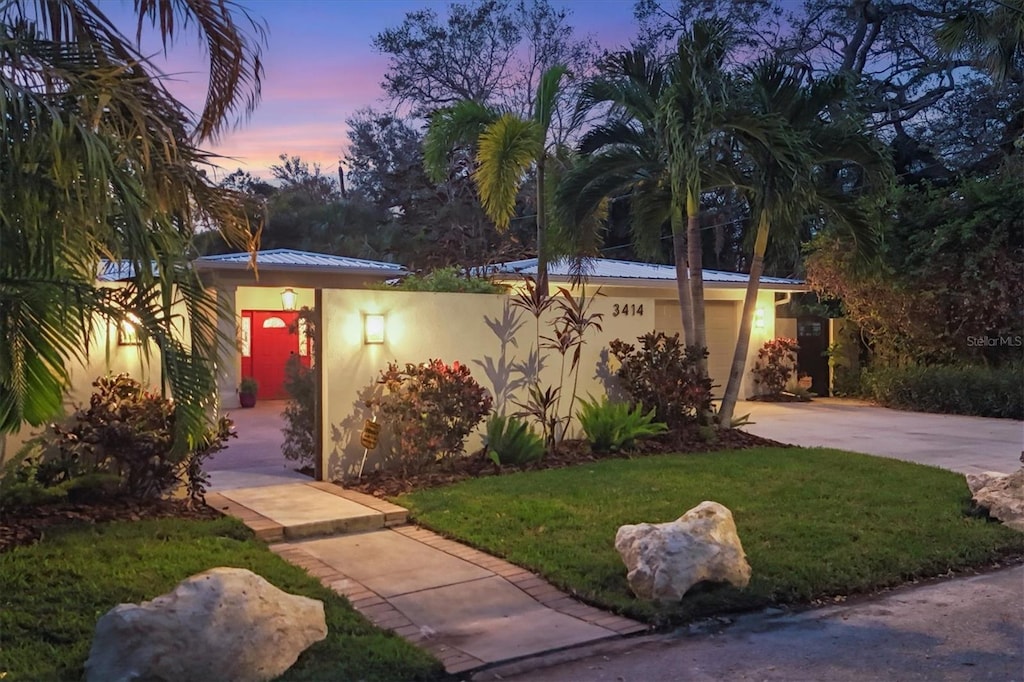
(551, 407)
(969, 390)
(612, 426)
(433, 408)
(300, 413)
(125, 435)
(775, 365)
(665, 376)
(510, 441)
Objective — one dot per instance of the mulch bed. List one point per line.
(569, 453)
(28, 525)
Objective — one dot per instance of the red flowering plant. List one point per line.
(433, 408)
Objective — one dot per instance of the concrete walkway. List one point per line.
(254, 458)
(466, 607)
(963, 444)
(962, 629)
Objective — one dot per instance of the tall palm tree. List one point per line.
(505, 147)
(819, 165)
(664, 121)
(99, 161)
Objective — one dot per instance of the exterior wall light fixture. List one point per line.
(288, 299)
(373, 329)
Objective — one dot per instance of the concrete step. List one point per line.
(308, 509)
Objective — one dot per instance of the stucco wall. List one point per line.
(483, 331)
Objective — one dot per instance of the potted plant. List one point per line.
(247, 392)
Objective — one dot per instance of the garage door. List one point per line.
(722, 327)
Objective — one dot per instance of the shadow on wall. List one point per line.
(348, 430)
(508, 375)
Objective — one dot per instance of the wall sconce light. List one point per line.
(127, 333)
(759, 318)
(288, 299)
(373, 329)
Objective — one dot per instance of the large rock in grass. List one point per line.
(223, 624)
(665, 560)
(1002, 496)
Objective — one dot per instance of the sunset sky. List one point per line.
(320, 68)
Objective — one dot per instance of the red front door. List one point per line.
(273, 341)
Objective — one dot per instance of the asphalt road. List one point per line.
(957, 629)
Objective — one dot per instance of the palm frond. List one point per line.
(459, 125)
(506, 150)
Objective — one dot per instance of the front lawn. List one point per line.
(52, 593)
(815, 523)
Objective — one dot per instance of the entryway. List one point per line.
(270, 339)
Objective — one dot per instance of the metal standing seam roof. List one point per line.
(291, 258)
(608, 268)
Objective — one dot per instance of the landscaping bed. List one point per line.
(52, 593)
(816, 524)
(568, 453)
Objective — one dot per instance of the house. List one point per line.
(623, 281)
(265, 302)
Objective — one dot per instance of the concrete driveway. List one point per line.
(963, 444)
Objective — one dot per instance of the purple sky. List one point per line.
(320, 68)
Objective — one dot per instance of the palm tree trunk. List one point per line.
(693, 248)
(682, 273)
(739, 356)
(542, 258)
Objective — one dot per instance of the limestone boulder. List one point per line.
(223, 624)
(1002, 496)
(664, 560)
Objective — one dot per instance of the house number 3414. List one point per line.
(627, 309)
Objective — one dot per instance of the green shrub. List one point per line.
(300, 413)
(977, 391)
(511, 442)
(665, 376)
(611, 426)
(433, 407)
(451, 280)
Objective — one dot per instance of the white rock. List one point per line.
(1003, 497)
(978, 481)
(223, 624)
(665, 560)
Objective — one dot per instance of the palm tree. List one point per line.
(820, 165)
(99, 161)
(664, 120)
(506, 146)
(994, 39)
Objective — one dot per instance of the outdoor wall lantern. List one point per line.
(373, 329)
(759, 318)
(288, 299)
(127, 333)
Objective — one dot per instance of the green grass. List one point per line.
(814, 523)
(52, 594)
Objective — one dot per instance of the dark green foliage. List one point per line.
(814, 523)
(950, 279)
(665, 376)
(611, 426)
(511, 442)
(776, 362)
(54, 591)
(433, 407)
(978, 391)
(300, 413)
(248, 385)
(449, 279)
(127, 434)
